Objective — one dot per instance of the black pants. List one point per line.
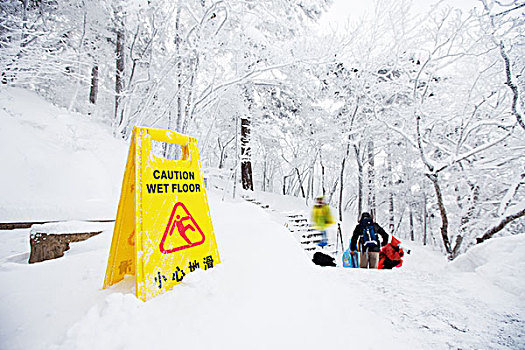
(389, 264)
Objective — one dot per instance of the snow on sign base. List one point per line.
(163, 229)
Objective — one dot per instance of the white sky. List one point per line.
(344, 10)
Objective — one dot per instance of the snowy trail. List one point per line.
(443, 304)
(263, 292)
(431, 299)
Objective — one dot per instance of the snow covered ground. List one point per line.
(55, 164)
(266, 293)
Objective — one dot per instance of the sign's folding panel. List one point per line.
(163, 228)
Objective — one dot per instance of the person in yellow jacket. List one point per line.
(321, 218)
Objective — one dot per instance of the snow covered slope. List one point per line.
(265, 294)
(55, 165)
(499, 261)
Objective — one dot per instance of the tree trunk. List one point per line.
(332, 191)
(323, 188)
(93, 92)
(411, 222)
(360, 176)
(371, 180)
(246, 164)
(178, 40)
(341, 188)
(119, 73)
(425, 219)
(392, 220)
(221, 153)
(343, 163)
(455, 251)
(188, 110)
(309, 185)
(443, 213)
(465, 219)
(265, 169)
(300, 180)
(435, 181)
(284, 184)
(237, 156)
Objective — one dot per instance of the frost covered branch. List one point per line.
(500, 226)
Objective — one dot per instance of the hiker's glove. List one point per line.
(352, 252)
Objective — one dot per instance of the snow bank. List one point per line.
(498, 260)
(56, 165)
(265, 294)
(65, 227)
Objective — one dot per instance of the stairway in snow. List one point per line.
(299, 227)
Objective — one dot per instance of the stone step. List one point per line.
(295, 215)
(301, 231)
(313, 235)
(298, 220)
(300, 225)
(311, 241)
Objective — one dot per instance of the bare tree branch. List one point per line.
(504, 222)
(511, 85)
(512, 9)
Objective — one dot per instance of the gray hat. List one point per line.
(365, 215)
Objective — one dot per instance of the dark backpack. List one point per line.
(369, 233)
(322, 259)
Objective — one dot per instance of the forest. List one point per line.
(415, 117)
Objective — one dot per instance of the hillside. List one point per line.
(266, 293)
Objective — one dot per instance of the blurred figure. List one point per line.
(366, 232)
(321, 218)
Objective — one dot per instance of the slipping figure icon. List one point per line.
(178, 218)
(182, 229)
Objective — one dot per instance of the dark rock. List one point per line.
(46, 246)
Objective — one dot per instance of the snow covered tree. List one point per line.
(459, 113)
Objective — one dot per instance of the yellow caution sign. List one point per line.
(163, 229)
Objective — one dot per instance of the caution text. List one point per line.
(173, 188)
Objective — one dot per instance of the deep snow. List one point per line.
(266, 293)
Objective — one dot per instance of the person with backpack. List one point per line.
(321, 218)
(391, 255)
(367, 233)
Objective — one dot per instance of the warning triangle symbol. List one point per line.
(182, 231)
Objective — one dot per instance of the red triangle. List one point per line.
(180, 222)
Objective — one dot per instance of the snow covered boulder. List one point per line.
(498, 260)
(51, 240)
